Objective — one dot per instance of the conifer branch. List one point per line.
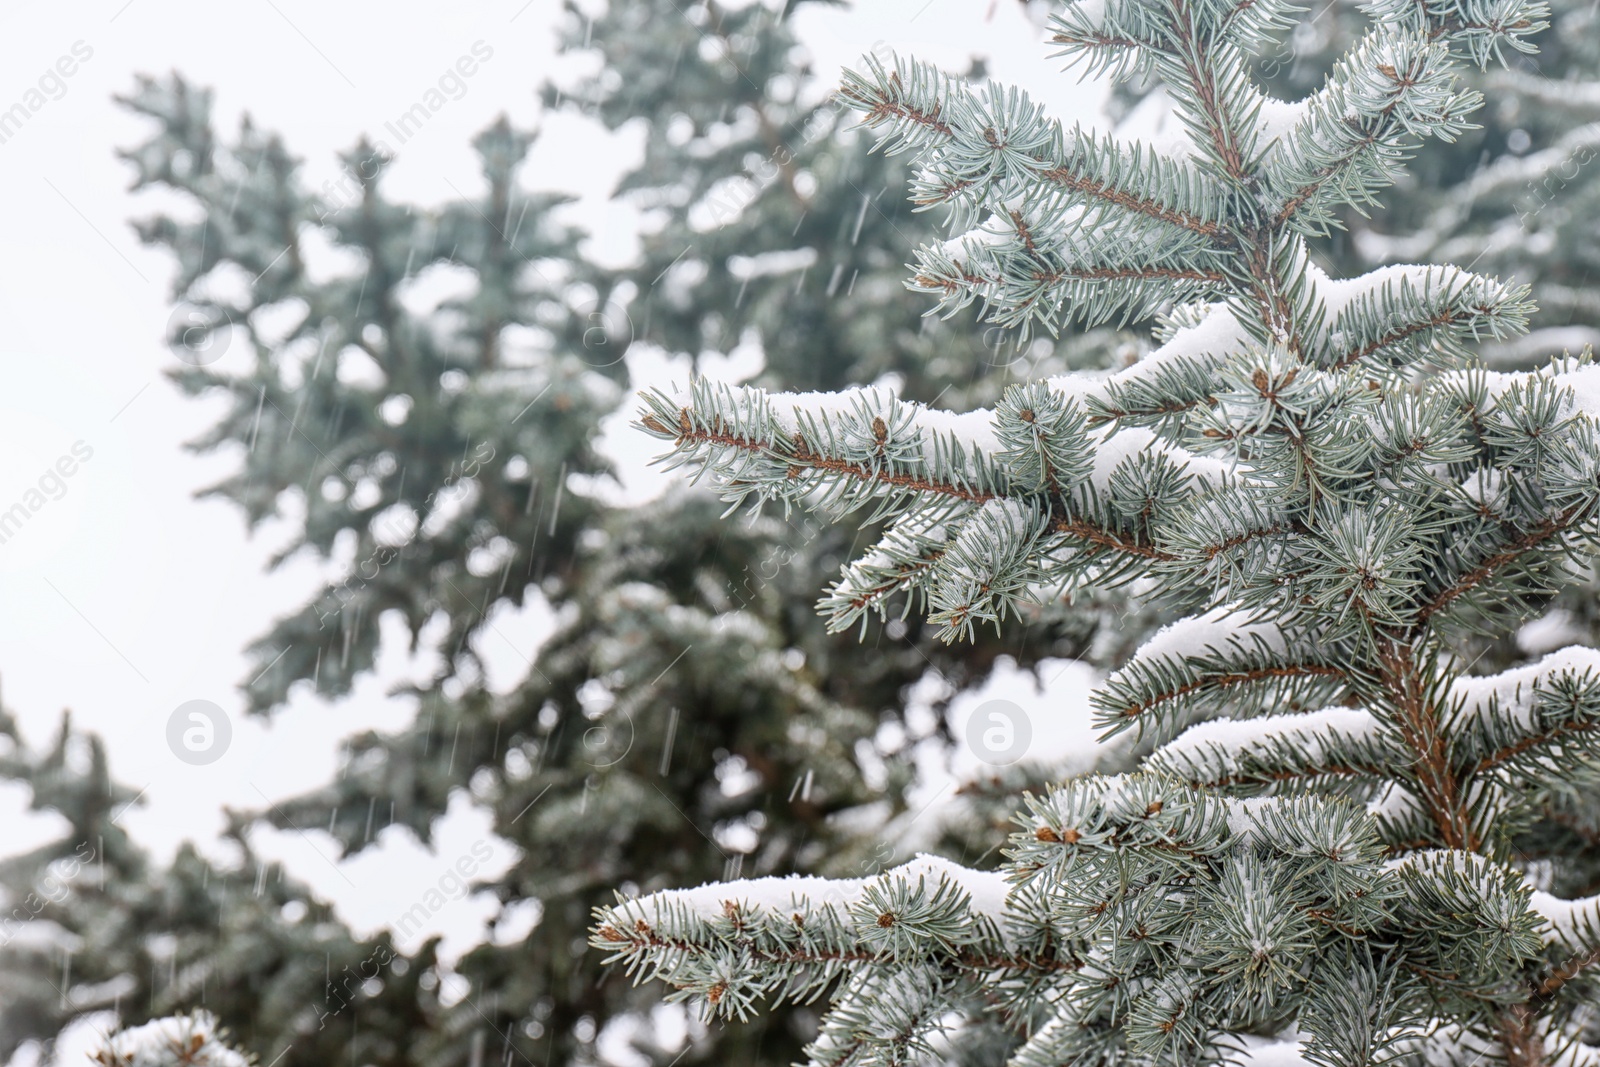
(642, 938)
(1506, 754)
(1565, 971)
(1519, 546)
(1357, 491)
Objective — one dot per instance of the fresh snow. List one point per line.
(167, 1042)
(963, 246)
(1573, 923)
(1514, 689)
(974, 430)
(1486, 485)
(1585, 385)
(783, 895)
(1277, 118)
(1244, 815)
(1286, 1051)
(1583, 381)
(1339, 294)
(1217, 335)
(1556, 629)
(1226, 739)
(1395, 803)
(1114, 446)
(1213, 632)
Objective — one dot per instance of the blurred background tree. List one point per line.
(94, 930)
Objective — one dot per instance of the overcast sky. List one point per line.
(123, 596)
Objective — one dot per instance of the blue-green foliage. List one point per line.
(1315, 857)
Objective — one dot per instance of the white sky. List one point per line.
(126, 597)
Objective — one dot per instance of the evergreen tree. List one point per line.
(690, 718)
(1317, 859)
(93, 924)
(1513, 195)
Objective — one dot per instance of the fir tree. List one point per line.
(690, 718)
(1518, 196)
(94, 925)
(1317, 858)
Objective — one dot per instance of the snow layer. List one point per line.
(1123, 443)
(1573, 923)
(987, 890)
(172, 1041)
(1584, 381)
(974, 431)
(1277, 118)
(1556, 629)
(1211, 633)
(1513, 690)
(1395, 803)
(1286, 1051)
(1585, 385)
(1228, 738)
(1339, 294)
(1244, 816)
(1215, 336)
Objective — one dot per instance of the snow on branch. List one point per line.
(1259, 885)
(730, 944)
(1211, 664)
(1514, 696)
(991, 503)
(1277, 750)
(1574, 924)
(1405, 315)
(1379, 101)
(1021, 273)
(840, 450)
(996, 149)
(1165, 386)
(178, 1041)
(1524, 724)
